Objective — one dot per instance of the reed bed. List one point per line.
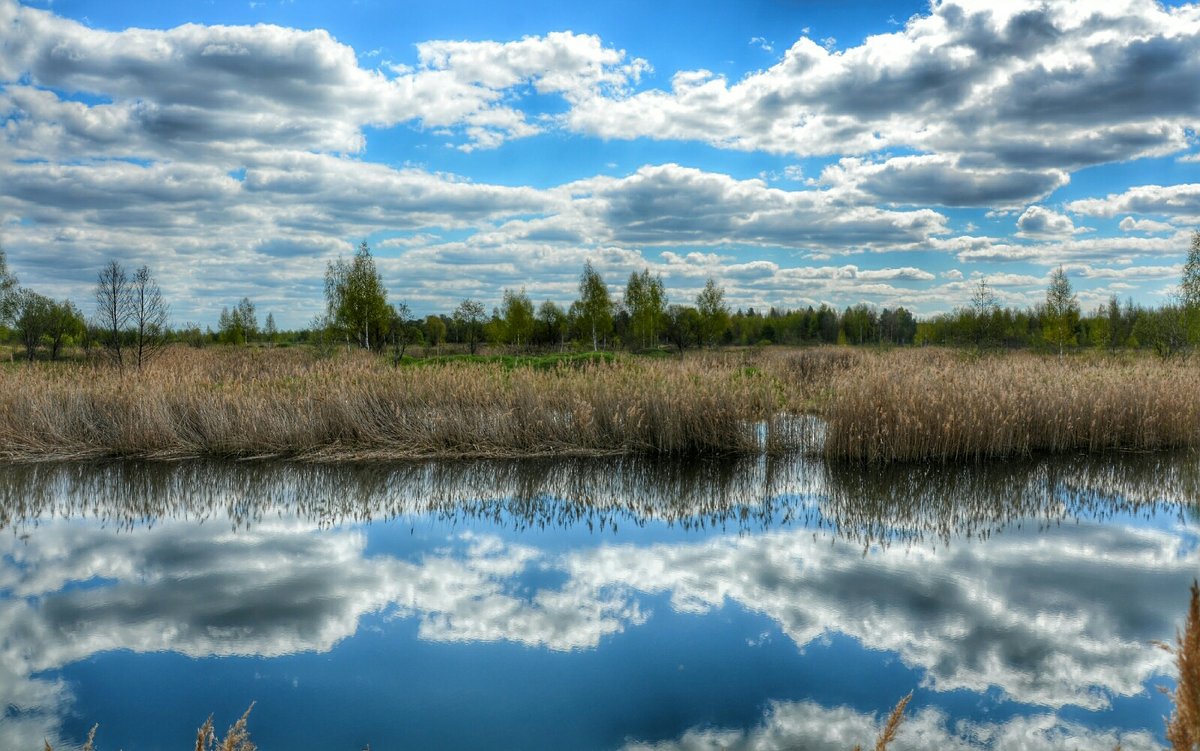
(243, 404)
(918, 405)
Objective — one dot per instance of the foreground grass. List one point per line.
(243, 403)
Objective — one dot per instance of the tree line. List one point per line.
(130, 325)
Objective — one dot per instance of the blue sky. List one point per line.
(797, 152)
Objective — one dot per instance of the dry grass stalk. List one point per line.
(892, 726)
(1183, 727)
(237, 738)
(888, 734)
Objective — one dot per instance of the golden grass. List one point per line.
(877, 407)
(237, 738)
(244, 403)
(917, 405)
(1183, 727)
(892, 726)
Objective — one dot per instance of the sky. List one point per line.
(799, 153)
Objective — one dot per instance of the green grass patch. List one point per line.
(510, 362)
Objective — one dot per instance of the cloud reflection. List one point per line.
(260, 562)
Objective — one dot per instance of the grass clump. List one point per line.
(918, 405)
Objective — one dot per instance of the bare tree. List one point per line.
(113, 311)
(149, 316)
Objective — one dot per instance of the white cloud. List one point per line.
(807, 725)
(1040, 222)
(1149, 226)
(1023, 84)
(239, 89)
(1169, 200)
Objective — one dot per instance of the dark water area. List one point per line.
(600, 604)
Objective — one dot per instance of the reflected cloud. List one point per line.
(792, 725)
(967, 576)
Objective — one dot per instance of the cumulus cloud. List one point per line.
(1030, 85)
(299, 206)
(922, 180)
(808, 725)
(1149, 226)
(236, 89)
(1040, 222)
(1164, 200)
(212, 153)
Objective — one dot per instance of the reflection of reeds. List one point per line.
(916, 405)
(284, 403)
(887, 504)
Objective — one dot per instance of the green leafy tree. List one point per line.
(231, 329)
(403, 331)
(8, 290)
(270, 331)
(435, 331)
(646, 303)
(469, 318)
(66, 326)
(982, 313)
(714, 313)
(553, 323)
(683, 326)
(1189, 290)
(1165, 330)
(1061, 312)
(356, 300)
(594, 314)
(32, 318)
(517, 312)
(247, 314)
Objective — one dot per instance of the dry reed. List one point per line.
(1183, 727)
(900, 406)
(921, 405)
(288, 404)
(892, 726)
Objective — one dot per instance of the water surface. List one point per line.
(593, 604)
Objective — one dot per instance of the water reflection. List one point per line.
(275, 560)
(878, 505)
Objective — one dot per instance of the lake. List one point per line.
(599, 604)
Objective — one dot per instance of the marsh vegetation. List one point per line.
(842, 403)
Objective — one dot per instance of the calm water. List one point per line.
(593, 605)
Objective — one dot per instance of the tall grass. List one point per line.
(289, 404)
(921, 405)
(876, 407)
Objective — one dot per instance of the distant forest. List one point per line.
(129, 319)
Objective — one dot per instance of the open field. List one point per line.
(875, 406)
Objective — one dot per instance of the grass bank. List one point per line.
(286, 403)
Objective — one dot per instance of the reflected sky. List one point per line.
(594, 604)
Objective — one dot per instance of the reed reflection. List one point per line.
(279, 564)
(875, 506)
